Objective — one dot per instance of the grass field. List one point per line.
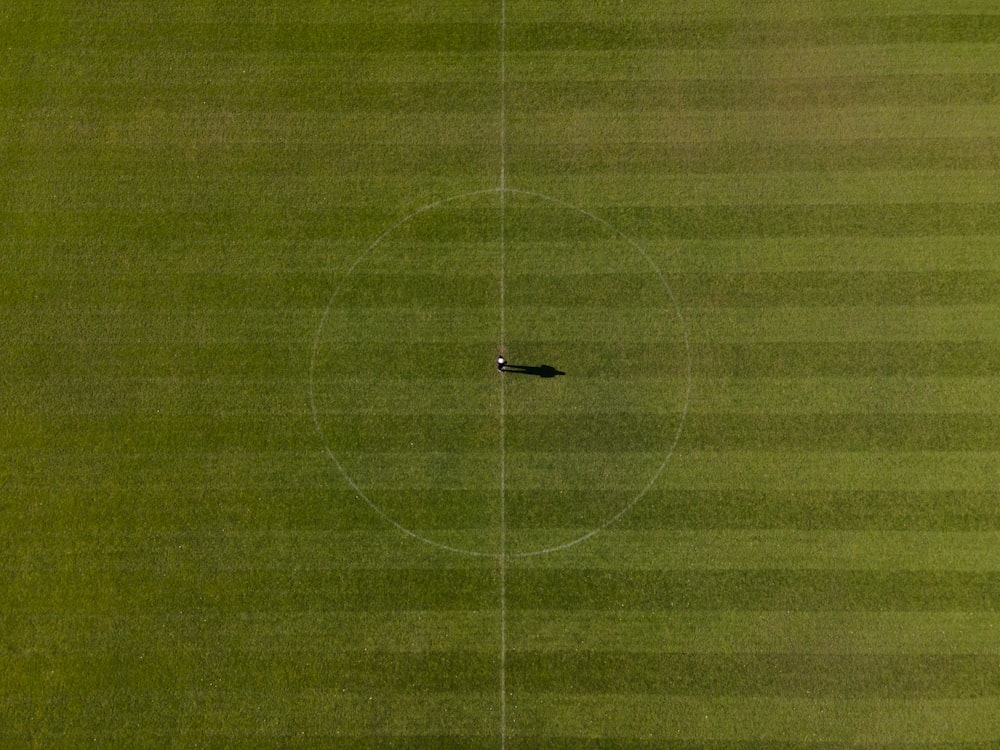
(262, 485)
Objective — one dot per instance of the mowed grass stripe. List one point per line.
(792, 507)
(393, 38)
(774, 470)
(263, 718)
(737, 632)
(147, 590)
(731, 93)
(214, 359)
(766, 721)
(781, 549)
(283, 294)
(849, 151)
(731, 34)
(230, 36)
(828, 469)
(774, 589)
(900, 395)
(317, 668)
(474, 92)
(771, 188)
(759, 289)
(705, 222)
(871, 358)
(897, 676)
(96, 551)
(338, 162)
(875, 255)
(641, 222)
(817, 124)
(853, 431)
(753, 64)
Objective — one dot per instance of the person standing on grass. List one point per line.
(501, 363)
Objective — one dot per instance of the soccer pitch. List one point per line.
(264, 486)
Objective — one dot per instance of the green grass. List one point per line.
(190, 189)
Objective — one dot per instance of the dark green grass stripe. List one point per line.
(536, 221)
(748, 360)
(158, 227)
(731, 156)
(382, 37)
(841, 91)
(446, 290)
(236, 36)
(316, 668)
(263, 358)
(376, 432)
(861, 431)
(338, 741)
(248, 159)
(819, 675)
(474, 96)
(150, 590)
(735, 33)
(313, 93)
(801, 288)
(792, 590)
(541, 96)
(667, 508)
(526, 159)
(627, 743)
(862, 219)
(919, 358)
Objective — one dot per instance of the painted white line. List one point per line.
(493, 552)
(503, 94)
(503, 412)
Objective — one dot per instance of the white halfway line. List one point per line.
(502, 557)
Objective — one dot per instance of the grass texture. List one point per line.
(255, 269)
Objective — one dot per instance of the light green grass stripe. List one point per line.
(762, 255)
(92, 191)
(830, 324)
(177, 553)
(829, 395)
(835, 470)
(411, 324)
(740, 632)
(780, 549)
(754, 63)
(232, 716)
(778, 188)
(400, 630)
(738, 325)
(536, 322)
(555, 11)
(147, 128)
(614, 549)
(785, 254)
(669, 126)
(247, 396)
(847, 721)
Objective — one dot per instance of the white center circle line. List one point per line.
(494, 553)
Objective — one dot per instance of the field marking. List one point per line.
(502, 561)
(503, 96)
(312, 375)
(507, 555)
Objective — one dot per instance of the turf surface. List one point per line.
(227, 225)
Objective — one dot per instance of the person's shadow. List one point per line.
(541, 371)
